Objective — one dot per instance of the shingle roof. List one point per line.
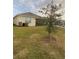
(28, 14)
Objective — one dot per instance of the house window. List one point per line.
(20, 23)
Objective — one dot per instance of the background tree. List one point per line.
(50, 11)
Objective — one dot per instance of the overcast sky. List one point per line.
(21, 6)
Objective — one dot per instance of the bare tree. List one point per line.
(50, 11)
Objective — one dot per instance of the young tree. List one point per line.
(50, 11)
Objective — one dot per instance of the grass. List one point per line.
(28, 43)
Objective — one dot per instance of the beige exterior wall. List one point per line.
(32, 21)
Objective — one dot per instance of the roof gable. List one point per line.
(28, 14)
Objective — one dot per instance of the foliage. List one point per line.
(50, 11)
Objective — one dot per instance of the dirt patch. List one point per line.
(46, 39)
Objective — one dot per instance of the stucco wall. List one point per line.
(23, 19)
(33, 22)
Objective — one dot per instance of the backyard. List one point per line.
(31, 43)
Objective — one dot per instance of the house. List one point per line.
(60, 23)
(25, 19)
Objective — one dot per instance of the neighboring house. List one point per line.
(25, 19)
(60, 23)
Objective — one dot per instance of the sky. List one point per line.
(22, 6)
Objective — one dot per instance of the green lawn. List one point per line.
(28, 43)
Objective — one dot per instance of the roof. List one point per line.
(28, 14)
